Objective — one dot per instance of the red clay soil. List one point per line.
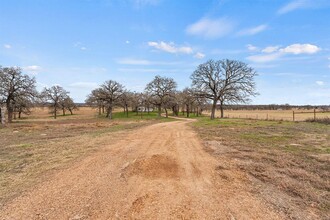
(156, 172)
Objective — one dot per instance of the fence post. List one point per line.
(293, 115)
(267, 117)
(314, 114)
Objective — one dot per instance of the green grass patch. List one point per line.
(137, 116)
(26, 145)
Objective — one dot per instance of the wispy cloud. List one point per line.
(262, 58)
(270, 49)
(251, 47)
(84, 85)
(141, 3)
(7, 46)
(80, 46)
(272, 53)
(133, 61)
(199, 55)
(293, 5)
(253, 30)
(320, 83)
(34, 69)
(211, 28)
(150, 70)
(301, 48)
(170, 47)
(303, 4)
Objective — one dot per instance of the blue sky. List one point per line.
(79, 44)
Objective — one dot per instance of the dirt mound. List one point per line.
(157, 166)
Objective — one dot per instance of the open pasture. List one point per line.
(277, 115)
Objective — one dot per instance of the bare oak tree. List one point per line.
(24, 105)
(224, 81)
(14, 87)
(111, 92)
(96, 99)
(54, 95)
(188, 99)
(160, 89)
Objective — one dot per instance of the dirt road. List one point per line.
(156, 172)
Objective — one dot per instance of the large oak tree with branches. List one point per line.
(161, 90)
(224, 82)
(15, 89)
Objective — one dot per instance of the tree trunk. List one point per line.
(159, 110)
(221, 109)
(100, 109)
(127, 111)
(110, 112)
(166, 112)
(10, 116)
(19, 114)
(71, 111)
(55, 112)
(63, 111)
(176, 110)
(188, 110)
(214, 106)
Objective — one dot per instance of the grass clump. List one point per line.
(325, 120)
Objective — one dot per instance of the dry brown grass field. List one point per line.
(278, 115)
(38, 144)
(83, 166)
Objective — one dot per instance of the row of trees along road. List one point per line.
(217, 82)
(221, 82)
(18, 94)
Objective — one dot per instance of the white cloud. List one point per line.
(34, 69)
(139, 70)
(131, 61)
(77, 44)
(293, 5)
(303, 4)
(7, 46)
(270, 49)
(140, 3)
(275, 52)
(199, 55)
(253, 30)
(211, 28)
(170, 47)
(320, 83)
(264, 58)
(83, 85)
(151, 70)
(80, 45)
(250, 47)
(301, 49)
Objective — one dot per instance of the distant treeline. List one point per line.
(260, 107)
(277, 107)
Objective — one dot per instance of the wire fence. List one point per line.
(276, 115)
